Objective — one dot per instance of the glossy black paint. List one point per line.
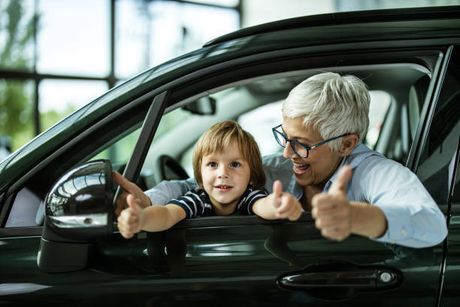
(86, 189)
(78, 209)
(239, 260)
(202, 265)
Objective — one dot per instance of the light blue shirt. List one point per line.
(413, 217)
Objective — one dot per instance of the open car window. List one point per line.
(395, 111)
(256, 105)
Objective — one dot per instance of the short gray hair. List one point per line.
(332, 104)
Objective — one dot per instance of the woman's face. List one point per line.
(321, 162)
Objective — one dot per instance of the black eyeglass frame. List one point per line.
(294, 142)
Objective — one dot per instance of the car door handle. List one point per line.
(348, 276)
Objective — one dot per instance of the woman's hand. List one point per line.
(338, 218)
(332, 211)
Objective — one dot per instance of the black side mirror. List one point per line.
(78, 210)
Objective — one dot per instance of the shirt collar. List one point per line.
(358, 155)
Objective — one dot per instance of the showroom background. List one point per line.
(58, 55)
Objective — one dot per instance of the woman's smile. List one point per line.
(300, 168)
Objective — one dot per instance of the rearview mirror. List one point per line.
(78, 209)
(204, 106)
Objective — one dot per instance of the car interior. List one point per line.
(397, 96)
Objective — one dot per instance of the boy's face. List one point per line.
(225, 177)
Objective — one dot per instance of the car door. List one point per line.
(246, 260)
(439, 168)
(227, 260)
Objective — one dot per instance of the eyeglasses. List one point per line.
(300, 149)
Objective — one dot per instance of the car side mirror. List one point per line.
(78, 209)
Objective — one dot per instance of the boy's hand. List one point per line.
(286, 205)
(129, 188)
(332, 210)
(130, 220)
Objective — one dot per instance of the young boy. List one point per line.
(228, 169)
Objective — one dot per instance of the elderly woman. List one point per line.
(349, 188)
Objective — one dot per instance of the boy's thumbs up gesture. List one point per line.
(332, 210)
(130, 220)
(278, 205)
(286, 205)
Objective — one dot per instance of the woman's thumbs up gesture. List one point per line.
(332, 210)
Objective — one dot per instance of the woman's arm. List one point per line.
(407, 216)
(338, 218)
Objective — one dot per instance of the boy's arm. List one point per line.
(153, 218)
(160, 194)
(278, 205)
(159, 218)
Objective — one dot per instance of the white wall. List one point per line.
(261, 11)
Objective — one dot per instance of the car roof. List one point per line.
(356, 17)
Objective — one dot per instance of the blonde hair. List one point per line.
(332, 104)
(221, 136)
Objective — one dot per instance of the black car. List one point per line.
(58, 239)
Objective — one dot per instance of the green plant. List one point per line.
(16, 41)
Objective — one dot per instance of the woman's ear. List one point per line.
(349, 143)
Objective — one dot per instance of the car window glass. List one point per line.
(456, 187)
(119, 152)
(175, 131)
(259, 122)
(436, 162)
(378, 109)
(454, 180)
(24, 210)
